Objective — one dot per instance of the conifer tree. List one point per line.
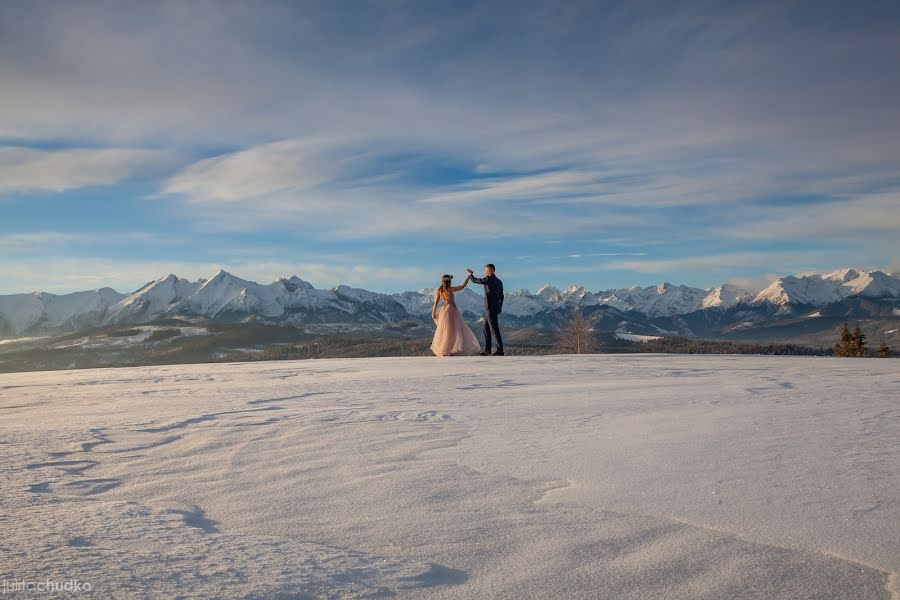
(884, 350)
(858, 346)
(844, 347)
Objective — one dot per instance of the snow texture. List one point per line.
(626, 476)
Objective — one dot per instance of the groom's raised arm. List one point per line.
(475, 279)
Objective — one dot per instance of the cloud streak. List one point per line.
(29, 170)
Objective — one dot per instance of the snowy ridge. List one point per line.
(21, 312)
(821, 289)
(293, 300)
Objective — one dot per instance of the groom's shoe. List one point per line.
(484, 353)
(498, 353)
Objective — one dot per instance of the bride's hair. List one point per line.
(446, 282)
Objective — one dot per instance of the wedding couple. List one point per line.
(453, 337)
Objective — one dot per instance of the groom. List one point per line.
(493, 305)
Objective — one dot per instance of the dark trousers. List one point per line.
(492, 328)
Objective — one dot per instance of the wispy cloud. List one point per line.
(321, 183)
(65, 275)
(37, 239)
(543, 186)
(594, 254)
(788, 262)
(32, 241)
(28, 169)
(256, 173)
(875, 215)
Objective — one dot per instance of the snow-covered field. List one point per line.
(616, 476)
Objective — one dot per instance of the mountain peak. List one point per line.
(842, 275)
(547, 291)
(820, 289)
(726, 296)
(222, 277)
(300, 283)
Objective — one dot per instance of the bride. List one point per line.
(453, 337)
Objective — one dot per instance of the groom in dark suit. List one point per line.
(493, 306)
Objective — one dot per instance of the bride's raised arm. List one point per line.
(459, 287)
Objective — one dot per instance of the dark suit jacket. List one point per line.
(493, 292)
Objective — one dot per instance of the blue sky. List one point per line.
(381, 144)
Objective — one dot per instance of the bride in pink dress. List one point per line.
(453, 336)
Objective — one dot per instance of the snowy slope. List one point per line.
(726, 296)
(820, 289)
(626, 477)
(662, 300)
(226, 295)
(152, 300)
(469, 300)
(522, 303)
(21, 312)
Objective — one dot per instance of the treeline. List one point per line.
(335, 346)
(576, 336)
(354, 346)
(678, 345)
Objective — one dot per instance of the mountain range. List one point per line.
(665, 309)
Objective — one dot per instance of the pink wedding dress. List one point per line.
(453, 336)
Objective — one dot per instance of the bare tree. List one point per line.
(576, 336)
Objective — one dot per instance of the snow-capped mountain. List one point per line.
(726, 296)
(41, 311)
(221, 297)
(821, 289)
(151, 300)
(664, 300)
(226, 297)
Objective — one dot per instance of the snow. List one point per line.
(21, 339)
(631, 337)
(820, 289)
(664, 299)
(523, 304)
(144, 332)
(611, 476)
(22, 311)
(157, 296)
(548, 292)
(726, 296)
(226, 293)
